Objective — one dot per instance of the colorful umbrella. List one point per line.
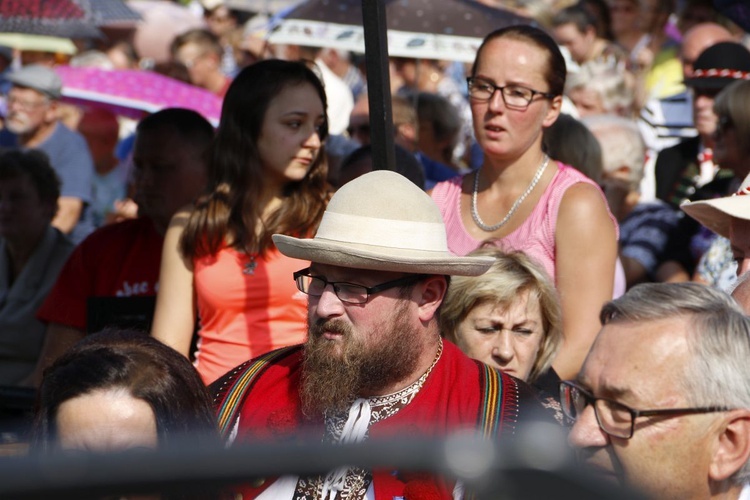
(424, 29)
(60, 18)
(135, 93)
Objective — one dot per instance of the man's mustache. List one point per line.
(319, 327)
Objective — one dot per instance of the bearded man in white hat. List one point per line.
(374, 364)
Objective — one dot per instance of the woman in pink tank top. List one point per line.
(523, 199)
(268, 175)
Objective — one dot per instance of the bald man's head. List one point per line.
(699, 38)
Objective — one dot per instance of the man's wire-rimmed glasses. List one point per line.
(514, 96)
(24, 104)
(347, 292)
(616, 419)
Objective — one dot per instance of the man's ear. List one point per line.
(733, 449)
(431, 293)
(590, 34)
(53, 112)
(408, 132)
(215, 59)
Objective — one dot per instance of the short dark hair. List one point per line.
(571, 142)
(439, 112)
(189, 125)
(406, 163)
(36, 166)
(576, 15)
(146, 368)
(199, 36)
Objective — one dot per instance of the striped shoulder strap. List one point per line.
(499, 402)
(234, 387)
(497, 407)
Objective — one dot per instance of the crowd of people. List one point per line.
(565, 241)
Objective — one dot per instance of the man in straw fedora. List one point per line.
(374, 365)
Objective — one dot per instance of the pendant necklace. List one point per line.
(249, 267)
(475, 213)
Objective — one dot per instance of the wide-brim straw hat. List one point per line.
(717, 213)
(382, 221)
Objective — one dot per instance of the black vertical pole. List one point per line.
(378, 84)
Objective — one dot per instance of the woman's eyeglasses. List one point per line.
(514, 96)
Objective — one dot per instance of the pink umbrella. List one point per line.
(135, 93)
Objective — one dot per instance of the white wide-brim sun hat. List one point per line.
(382, 221)
(717, 213)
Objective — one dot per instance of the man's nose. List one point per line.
(328, 304)
(586, 432)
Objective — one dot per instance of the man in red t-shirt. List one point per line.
(170, 156)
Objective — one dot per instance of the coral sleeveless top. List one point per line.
(247, 307)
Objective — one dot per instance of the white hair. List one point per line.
(622, 145)
(606, 80)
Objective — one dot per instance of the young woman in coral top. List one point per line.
(268, 175)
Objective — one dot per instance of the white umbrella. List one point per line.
(423, 29)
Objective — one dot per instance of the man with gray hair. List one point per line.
(32, 121)
(662, 402)
(645, 226)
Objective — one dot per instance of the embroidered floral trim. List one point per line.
(358, 480)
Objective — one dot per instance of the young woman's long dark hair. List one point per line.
(231, 211)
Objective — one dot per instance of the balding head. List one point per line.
(699, 38)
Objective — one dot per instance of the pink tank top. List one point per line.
(245, 315)
(535, 236)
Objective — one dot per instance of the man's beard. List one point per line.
(18, 124)
(331, 380)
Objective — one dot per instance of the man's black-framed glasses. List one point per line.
(616, 419)
(347, 292)
(514, 96)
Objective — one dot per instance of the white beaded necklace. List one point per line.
(475, 213)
